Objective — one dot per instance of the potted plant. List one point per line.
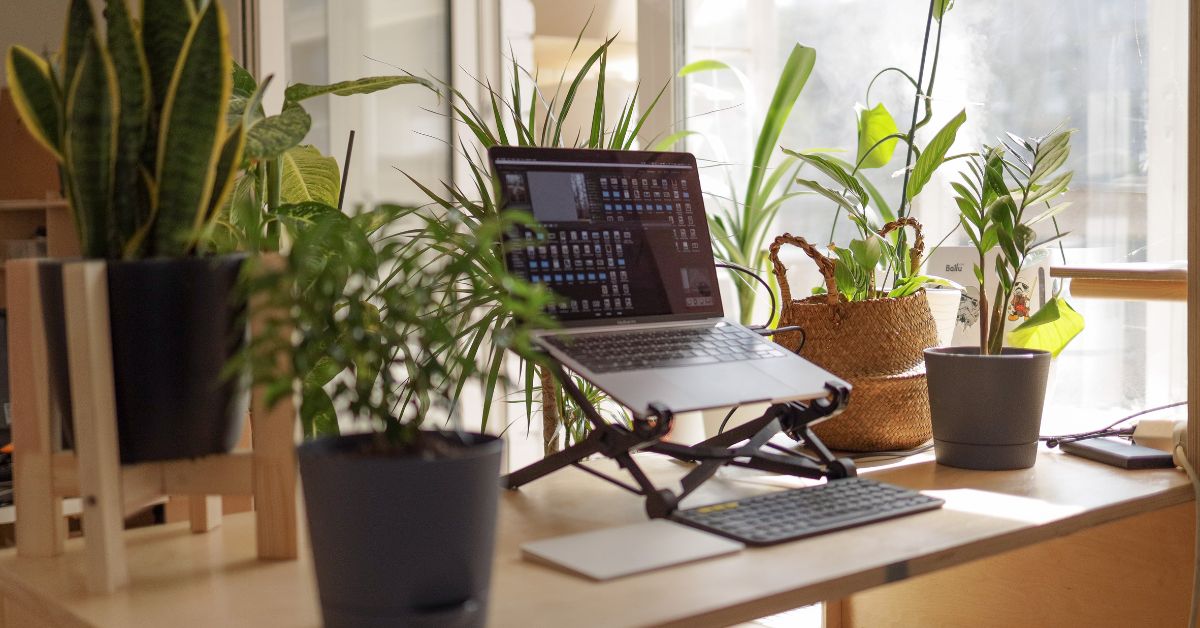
(986, 401)
(146, 149)
(401, 516)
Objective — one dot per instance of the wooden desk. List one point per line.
(1136, 280)
(181, 579)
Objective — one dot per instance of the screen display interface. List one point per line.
(626, 240)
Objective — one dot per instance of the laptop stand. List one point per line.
(619, 443)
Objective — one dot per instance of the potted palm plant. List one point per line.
(136, 115)
(986, 401)
(401, 516)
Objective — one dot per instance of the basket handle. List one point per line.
(918, 248)
(824, 265)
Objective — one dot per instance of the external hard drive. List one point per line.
(1120, 453)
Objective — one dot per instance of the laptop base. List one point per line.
(619, 443)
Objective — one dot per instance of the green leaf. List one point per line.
(703, 65)
(192, 133)
(829, 194)
(933, 155)
(34, 97)
(791, 82)
(366, 85)
(867, 252)
(834, 170)
(227, 168)
(1051, 328)
(133, 79)
(165, 26)
(317, 414)
(668, 142)
(90, 148)
(1051, 190)
(309, 176)
(81, 24)
(271, 136)
(940, 7)
(874, 125)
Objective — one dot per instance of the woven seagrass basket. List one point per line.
(877, 345)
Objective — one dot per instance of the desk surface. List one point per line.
(182, 579)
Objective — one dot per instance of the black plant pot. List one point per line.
(54, 321)
(402, 540)
(986, 409)
(175, 325)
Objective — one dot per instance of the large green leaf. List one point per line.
(90, 148)
(227, 168)
(791, 82)
(874, 125)
(81, 23)
(131, 211)
(192, 133)
(309, 176)
(933, 155)
(34, 97)
(304, 91)
(940, 7)
(271, 136)
(1051, 328)
(165, 26)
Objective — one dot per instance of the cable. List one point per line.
(725, 421)
(1107, 430)
(760, 280)
(1191, 473)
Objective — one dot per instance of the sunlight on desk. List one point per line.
(1025, 509)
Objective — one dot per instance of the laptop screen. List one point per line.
(624, 235)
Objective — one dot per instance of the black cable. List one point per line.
(725, 422)
(1107, 430)
(760, 280)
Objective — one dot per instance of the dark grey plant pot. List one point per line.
(986, 410)
(175, 325)
(54, 321)
(402, 540)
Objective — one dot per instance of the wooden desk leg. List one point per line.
(273, 432)
(204, 512)
(93, 398)
(40, 528)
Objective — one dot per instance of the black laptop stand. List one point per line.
(619, 443)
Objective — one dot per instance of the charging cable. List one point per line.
(1110, 429)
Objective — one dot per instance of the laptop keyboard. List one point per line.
(678, 346)
(800, 512)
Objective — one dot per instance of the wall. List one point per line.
(35, 24)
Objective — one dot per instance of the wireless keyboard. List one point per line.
(801, 512)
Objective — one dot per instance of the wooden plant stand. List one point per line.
(44, 474)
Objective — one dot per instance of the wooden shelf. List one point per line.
(1139, 281)
(32, 204)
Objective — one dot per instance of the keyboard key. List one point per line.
(689, 346)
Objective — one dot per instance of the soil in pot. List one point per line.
(175, 325)
(986, 410)
(402, 538)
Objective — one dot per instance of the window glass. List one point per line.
(1113, 69)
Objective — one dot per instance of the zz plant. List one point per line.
(137, 115)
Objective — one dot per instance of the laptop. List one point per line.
(624, 243)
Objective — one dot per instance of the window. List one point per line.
(1114, 70)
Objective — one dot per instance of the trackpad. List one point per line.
(717, 384)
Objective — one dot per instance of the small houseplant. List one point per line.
(401, 517)
(986, 401)
(136, 114)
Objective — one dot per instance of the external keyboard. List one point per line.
(604, 352)
(808, 511)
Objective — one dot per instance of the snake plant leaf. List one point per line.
(791, 82)
(366, 85)
(933, 155)
(34, 97)
(165, 26)
(272, 136)
(309, 176)
(1051, 328)
(133, 81)
(940, 7)
(874, 125)
(192, 132)
(90, 148)
(227, 170)
(81, 22)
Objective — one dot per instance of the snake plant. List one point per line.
(135, 114)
